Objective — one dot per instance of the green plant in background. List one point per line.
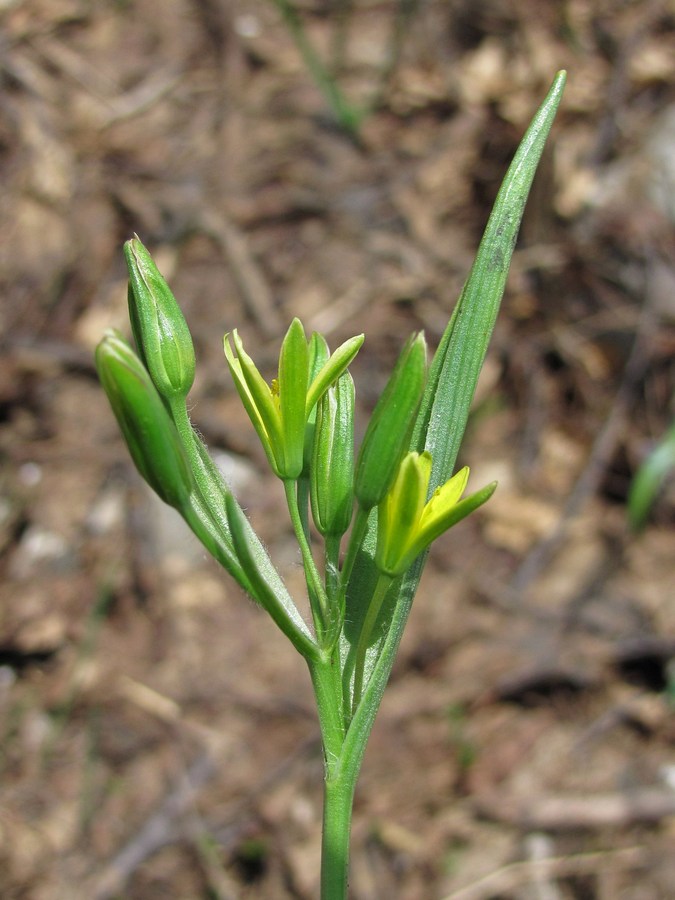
(650, 479)
(348, 115)
(465, 750)
(376, 516)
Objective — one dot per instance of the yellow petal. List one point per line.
(444, 498)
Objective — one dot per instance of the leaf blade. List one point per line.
(457, 363)
(445, 376)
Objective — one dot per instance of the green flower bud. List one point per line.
(319, 354)
(158, 325)
(318, 357)
(293, 383)
(387, 437)
(148, 430)
(332, 468)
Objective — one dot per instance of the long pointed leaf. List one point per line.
(445, 407)
(457, 363)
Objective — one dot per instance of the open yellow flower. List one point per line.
(280, 411)
(407, 523)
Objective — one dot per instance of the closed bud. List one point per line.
(159, 327)
(318, 357)
(148, 430)
(387, 437)
(292, 385)
(332, 468)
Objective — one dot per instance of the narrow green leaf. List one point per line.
(443, 413)
(286, 616)
(209, 521)
(457, 363)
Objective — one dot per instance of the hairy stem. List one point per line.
(317, 593)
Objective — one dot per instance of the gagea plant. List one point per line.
(376, 511)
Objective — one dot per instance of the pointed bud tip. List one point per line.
(158, 325)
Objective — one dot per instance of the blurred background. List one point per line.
(337, 160)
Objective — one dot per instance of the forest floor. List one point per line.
(157, 733)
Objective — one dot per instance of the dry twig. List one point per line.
(510, 877)
(563, 813)
(252, 285)
(603, 447)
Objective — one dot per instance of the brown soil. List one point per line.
(158, 736)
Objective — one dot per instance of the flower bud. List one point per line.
(332, 468)
(159, 327)
(148, 430)
(388, 434)
(318, 357)
(292, 385)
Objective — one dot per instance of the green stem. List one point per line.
(332, 557)
(206, 516)
(199, 519)
(346, 115)
(381, 588)
(208, 519)
(338, 799)
(317, 594)
(303, 503)
(325, 674)
(339, 779)
(356, 537)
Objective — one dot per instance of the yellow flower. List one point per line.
(408, 523)
(280, 411)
